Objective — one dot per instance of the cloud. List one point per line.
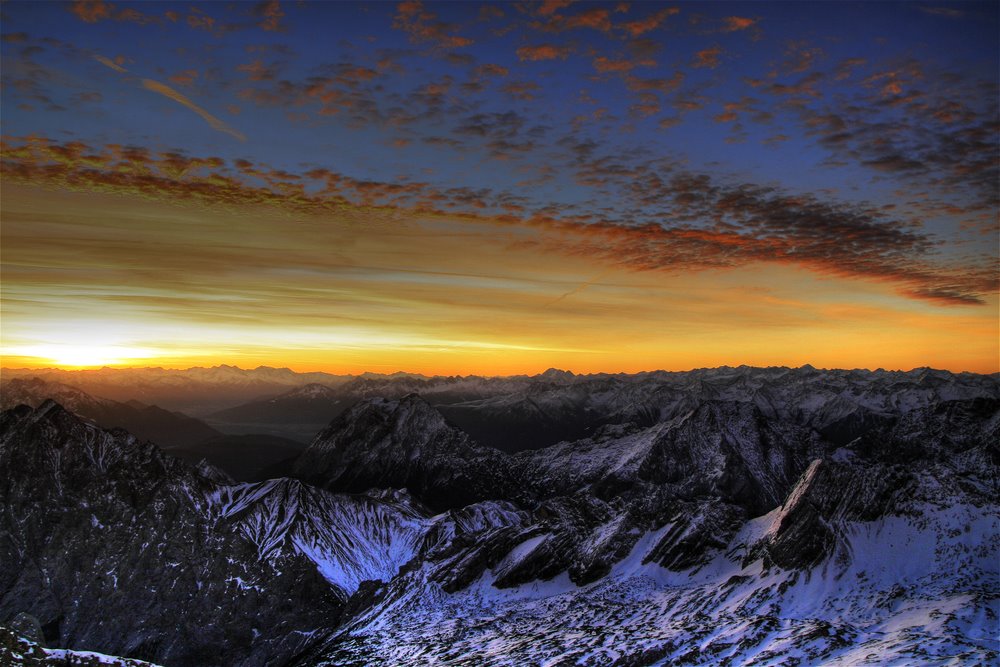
(258, 71)
(423, 26)
(605, 65)
(107, 62)
(707, 57)
(491, 70)
(550, 7)
(185, 78)
(845, 68)
(94, 11)
(800, 56)
(521, 90)
(946, 12)
(595, 18)
(542, 52)
(737, 23)
(648, 24)
(660, 85)
(504, 134)
(755, 224)
(903, 122)
(271, 15)
(167, 91)
(799, 91)
(732, 110)
(198, 20)
(180, 98)
(698, 222)
(91, 11)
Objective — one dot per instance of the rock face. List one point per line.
(404, 444)
(112, 544)
(19, 650)
(738, 516)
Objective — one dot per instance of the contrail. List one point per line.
(176, 96)
(167, 91)
(578, 288)
(110, 63)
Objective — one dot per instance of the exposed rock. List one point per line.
(404, 444)
(112, 545)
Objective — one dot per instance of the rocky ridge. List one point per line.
(814, 516)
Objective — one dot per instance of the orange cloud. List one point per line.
(596, 18)
(110, 63)
(520, 90)
(91, 11)
(542, 52)
(550, 7)
(707, 57)
(491, 70)
(423, 26)
(736, 23)
(257, 71)
(605, 65)
(648, 24)
(185, 78)
(709, 226)
(167, 91)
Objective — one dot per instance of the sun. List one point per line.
(81, 356)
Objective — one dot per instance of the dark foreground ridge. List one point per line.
(733, 516)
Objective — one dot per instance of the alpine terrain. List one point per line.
(729, 516)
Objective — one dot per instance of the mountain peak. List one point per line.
(403, 443)
(557, 374)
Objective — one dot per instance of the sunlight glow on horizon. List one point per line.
(351, 191)
(425, 295)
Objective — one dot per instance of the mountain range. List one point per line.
(721, 516)
(245, 457)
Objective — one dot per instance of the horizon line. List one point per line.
(84, 369)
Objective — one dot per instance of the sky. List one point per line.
(499, 188)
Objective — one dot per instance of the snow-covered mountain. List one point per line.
(522, 412)
(728, 516)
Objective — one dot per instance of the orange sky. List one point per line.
(118, 279)
(457, 187)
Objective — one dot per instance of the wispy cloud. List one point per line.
(176, 96)
(704, 224)
(107, 62)
(167, 91)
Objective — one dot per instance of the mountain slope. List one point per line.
(517, 413)
(147, 422)
(113, 546)
(877, 555)
(404, 444)
(726, 516)
(309, 404)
